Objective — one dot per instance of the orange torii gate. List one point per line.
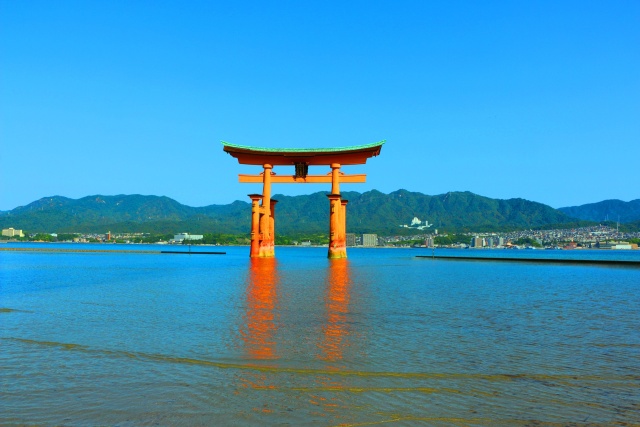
(263, 215)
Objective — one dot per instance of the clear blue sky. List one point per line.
(539, 100)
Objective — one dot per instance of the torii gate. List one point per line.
(263, 215)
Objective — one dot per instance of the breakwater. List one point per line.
(536, 260)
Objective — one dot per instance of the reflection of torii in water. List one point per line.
(262, 297)
(262, 311)
(336, 329)
(263, 214)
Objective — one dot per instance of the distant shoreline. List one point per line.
(306, 246)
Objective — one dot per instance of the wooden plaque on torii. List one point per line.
(263, 207)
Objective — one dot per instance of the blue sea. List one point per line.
(134, 338)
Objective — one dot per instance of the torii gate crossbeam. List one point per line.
(263, 214)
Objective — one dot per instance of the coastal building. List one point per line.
(10, 232)
(617, 245)
(477, 242)
(369, 240)
(181, 237)
(351, 239)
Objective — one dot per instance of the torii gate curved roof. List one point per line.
(353, 155)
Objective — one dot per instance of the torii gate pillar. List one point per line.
(337, 217)
(263, 218)
(263, 207)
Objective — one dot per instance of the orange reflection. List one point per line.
(261, 303)
(336, 331)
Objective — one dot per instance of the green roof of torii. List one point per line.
(353, 155)
(304, 150)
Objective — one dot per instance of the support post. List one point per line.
(343, 219)
(335, 178)
(272, 226)
(337, 243)
(266, 240)
(255, 225)
(337, 237)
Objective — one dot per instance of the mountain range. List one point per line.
(369, 212)
(606, 210)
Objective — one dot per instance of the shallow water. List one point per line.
(383, 337)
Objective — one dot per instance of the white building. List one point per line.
(181, 237)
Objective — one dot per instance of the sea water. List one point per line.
(137, 338)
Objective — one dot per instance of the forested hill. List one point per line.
(372, 212)
(607, 210)
(124, 213)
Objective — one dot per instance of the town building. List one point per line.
(351, 239)
(477, 242)
(10, 232)
(369, 240)
(428, 242)
(181, 237)
(617, 245)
